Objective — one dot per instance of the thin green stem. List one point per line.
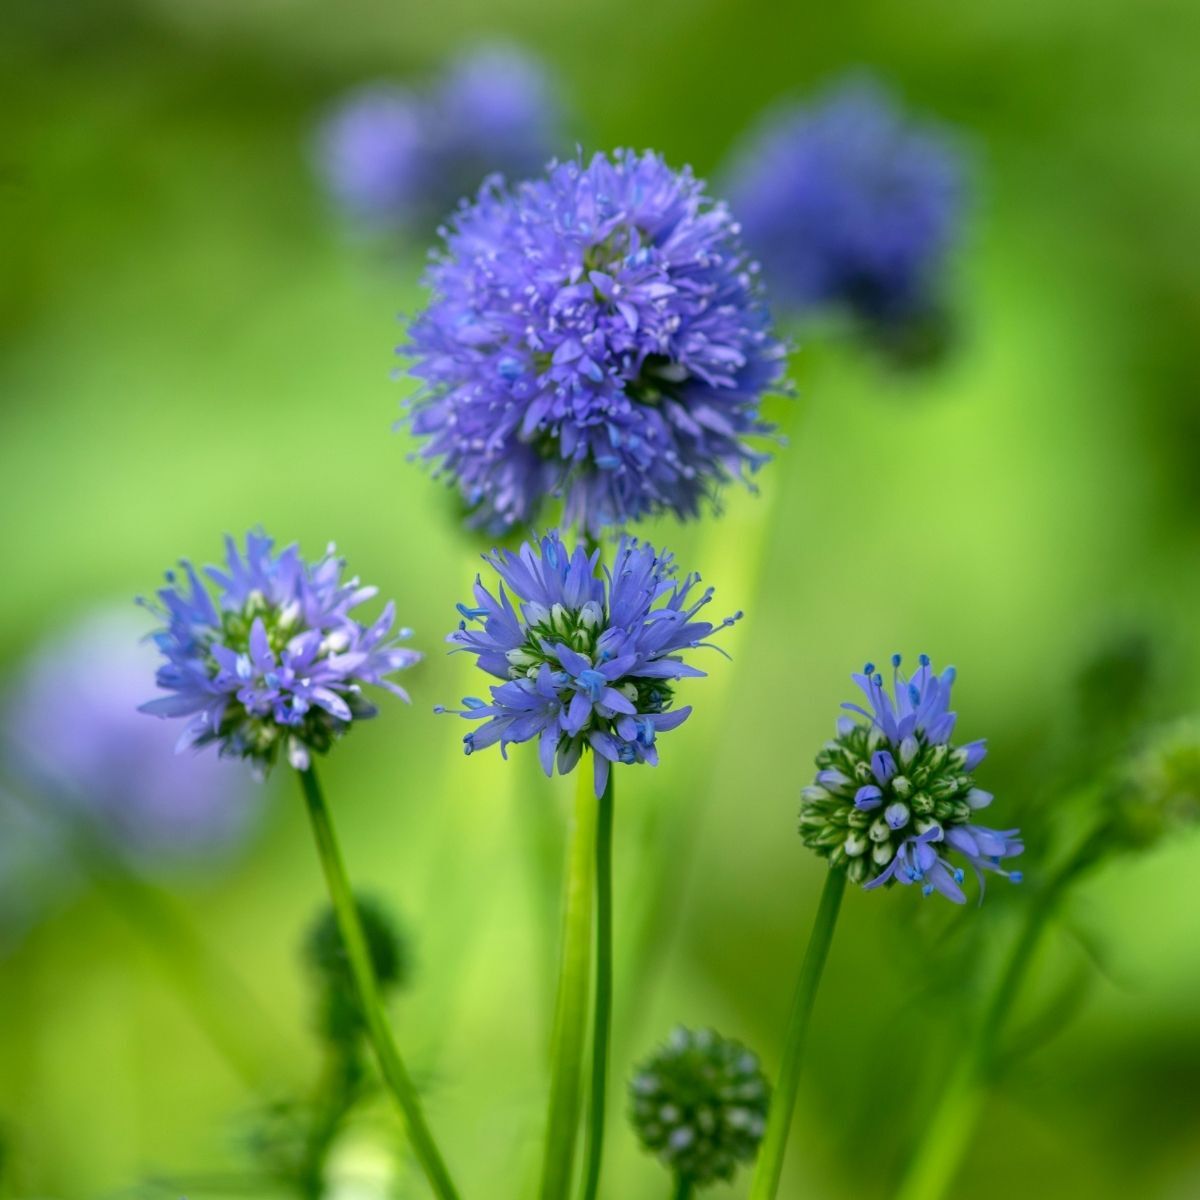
(947, 1133)
(571, 1010)
(602, 1022)
(783, 1103)
(682, 1189)
(391, 1066)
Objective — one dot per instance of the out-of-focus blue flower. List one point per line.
(373, 155)
(494, 111)
(276, 657)
(392, 155)
(849, 204)
(78, 742)
(893, 798)
(597, 335)
(589, 657)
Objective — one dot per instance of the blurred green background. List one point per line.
(190, 344)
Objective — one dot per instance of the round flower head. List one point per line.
(373, 155)
(394, 156)
(74, 734)
(494, 110)
(850, 205)
(893, 798)
(595, 335)
(275, 657)
(700, 1104)
(588, 657)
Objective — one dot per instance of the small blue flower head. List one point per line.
(275, 657)
(893, 798)
(588, 657)
(391, 155)
(850, 205)
(595, 336)
(700, 1104)
(373, 156)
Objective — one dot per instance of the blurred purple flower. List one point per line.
(391, 155)
(850, 204)
(892, 797)
(373, 154)
(591, 658)
(77, 739)
(595, 335)
(277, 658)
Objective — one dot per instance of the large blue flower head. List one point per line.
(588, 656)
(393, 155)
(598, 336)
(849, 204)
(893, 798)
(275, 658)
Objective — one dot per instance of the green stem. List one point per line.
(602, 1024)
(391, 1066)
(783, 1102)
(947, 1133)
(682, 1189)
(570, 1018)
(334, 1100)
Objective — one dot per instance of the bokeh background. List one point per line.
(191, 343)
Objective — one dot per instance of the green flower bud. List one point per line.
(700, 1104)
(340, 1018)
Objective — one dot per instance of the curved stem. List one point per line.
(602, 1022)
(947, 1132)
(682, 1189)
(783, 1102)
(570, 1018)
(391, 1066)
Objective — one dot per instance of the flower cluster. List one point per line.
(1159, 789)
(588, 657)
(394, 156)
(700, 1104)
(276, 657)
(849, 204)
(893, 797)
(73, 732)
(597, 336)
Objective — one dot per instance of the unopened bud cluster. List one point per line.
(700, 1104)
(867, 801)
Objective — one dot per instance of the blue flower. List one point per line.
(849, 204)
(391, 155)
(496, 109)
(893, 797)
(373, 156)
(276, 657)
(597, 336)
(73, 734)
(589, 657)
